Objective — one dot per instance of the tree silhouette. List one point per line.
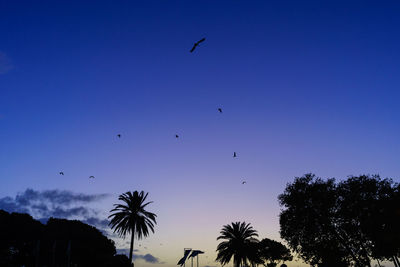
(25, 241)
(370, 215)
(87, 245)
(19, 234)
(273, 252)
(132, 218)
(239, 243)
(341, 224)
(308, 222)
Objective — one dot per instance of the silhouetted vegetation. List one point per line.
(272, 252)
(347, 223)
(132, 218)
(240, 243)
(25, 241)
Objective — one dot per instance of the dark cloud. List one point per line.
(56, 197)
(147, 257)
(5, 64)
(55, 203)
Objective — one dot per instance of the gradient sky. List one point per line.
(305, 86)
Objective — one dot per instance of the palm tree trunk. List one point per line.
(131, 248)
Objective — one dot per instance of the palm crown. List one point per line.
(132, 218)
(239, 243)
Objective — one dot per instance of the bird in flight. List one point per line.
(196, 44)
(243, 182)
(61, 173)
(234, 154)
(220, 110)
(92, 177)
(176, 136)
(119, 135)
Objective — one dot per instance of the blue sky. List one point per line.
(305, 86)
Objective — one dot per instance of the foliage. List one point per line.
(341, 224)
(89, 247)
(132, 218)
(19, 234)
(239, 243)
(25, 241)
(273, 252)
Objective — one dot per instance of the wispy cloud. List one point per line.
(5, 64)
(55, 203)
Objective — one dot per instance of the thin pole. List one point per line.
(197, 260)
(54, 253)
(37, 253)
(69, 254)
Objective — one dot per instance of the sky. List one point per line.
(305, 86)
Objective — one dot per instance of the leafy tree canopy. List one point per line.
(26, 241)
(341, 224)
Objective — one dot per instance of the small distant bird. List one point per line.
(220, 110)
(243, 182)
(196, 44)
(234, 154)
(61, 173)
(119, 135)
(92, 177)
(176, 136)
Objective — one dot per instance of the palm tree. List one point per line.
(240, 243)
(131, 217)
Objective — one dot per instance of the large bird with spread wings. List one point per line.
(196, 44)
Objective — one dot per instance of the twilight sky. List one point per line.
(305, 86)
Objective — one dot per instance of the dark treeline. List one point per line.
(25, 241)
(346, 223)
(241, 245)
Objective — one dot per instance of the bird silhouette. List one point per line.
(92, 177)
(61, 173)
(119, 135)
(220, 110)
(176, 136)
(196, 44)
(234, 154)
(243, 182)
